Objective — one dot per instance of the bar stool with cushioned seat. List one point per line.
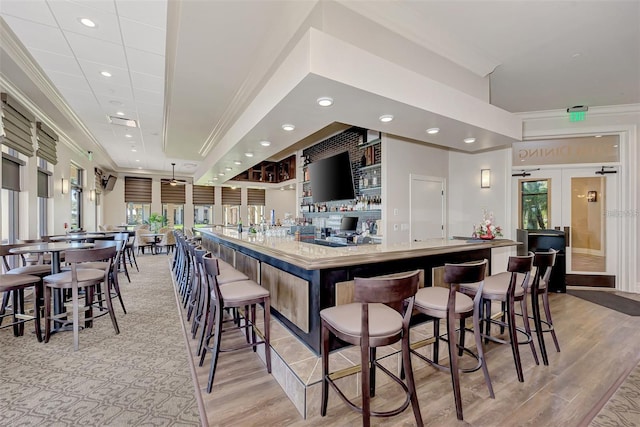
(544, 262)
(508, 287)
(86, 278)
(452, 305)
(379, 316)
(16, 284)
(239, 294)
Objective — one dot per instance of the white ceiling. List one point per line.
(207, 80)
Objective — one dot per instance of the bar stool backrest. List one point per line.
(544, 262)
(522, 265)
(456, 274)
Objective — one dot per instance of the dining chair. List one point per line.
(544, 263)
(246, 293)
(449, 304)
(80, 278)
(15, 285)
(379, 316)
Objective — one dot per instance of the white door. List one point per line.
(427, 208)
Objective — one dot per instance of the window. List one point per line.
(255, 202)
(534, 204)
(138, 213)
(203, 201)
(75, 184)
(10, 195)
(174, 215)
(231, 199)
(44, 192)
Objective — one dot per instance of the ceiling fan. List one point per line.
(173, 181)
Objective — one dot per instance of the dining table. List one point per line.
(79, 237)
(55, 248)
(157, 238)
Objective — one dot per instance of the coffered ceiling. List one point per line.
(207, 81)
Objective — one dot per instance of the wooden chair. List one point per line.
(379, 316)
(16, 284)
(168, 241)
(75, 279)
(544, 262)
(508, 288)
(451, 305)
(246, 293)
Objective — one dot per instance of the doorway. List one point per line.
(427, 208)
(577, 201)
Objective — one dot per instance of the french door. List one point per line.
(582, 202)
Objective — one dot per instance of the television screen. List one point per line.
(331, 179)
(349, 223)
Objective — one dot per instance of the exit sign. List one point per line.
(577, 116)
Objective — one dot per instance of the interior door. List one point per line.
(427, 208)
(588, 199)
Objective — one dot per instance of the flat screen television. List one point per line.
(331, 179)
(349, 224)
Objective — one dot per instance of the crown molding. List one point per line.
(609, 110)
(16, 51)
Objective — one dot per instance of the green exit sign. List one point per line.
(577, 116)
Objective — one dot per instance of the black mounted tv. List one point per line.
(331, 179)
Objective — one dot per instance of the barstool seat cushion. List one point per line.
(347, 318)
(435, 298)
(37, 269)
(88, 275)
(231, 275)
(9, 282)
(99, 265)
(497, 285)
(243, 291)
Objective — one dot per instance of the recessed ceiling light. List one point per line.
(265, 143)
(118, 103)
(282, 189)
(221, 173)
(119, 113)
(134, 149)
(325, 101)
(237, 162)
(227, 168)
(386, 118)
(291, 186)
(469, 140)
(288, 127)
(215, 178)
(598, 136)
(137, 160)
(128, 135)
(615, 146)
(248, 154)
(87, 22)
(105, 73)
(433, 131)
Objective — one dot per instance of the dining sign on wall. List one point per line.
(578, 150)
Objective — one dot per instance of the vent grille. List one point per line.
(122, 121)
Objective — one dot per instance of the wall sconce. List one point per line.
(485, 178)
(65, 186)
(92, 195)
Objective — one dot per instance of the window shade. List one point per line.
(137, 189)
(16, 121)
(203, 195)
(231, 196)
(172, 194)
(10, 174)
(43, 184)
(47, 140)
(255, 197)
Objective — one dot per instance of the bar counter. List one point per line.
(304, 278)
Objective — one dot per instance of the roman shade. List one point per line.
(231, 196)
(137, 189)
(43, 183)
(10, 173)
(172, 194)
(203, 195)
(47, 140)
(255, 197)
(17, 126)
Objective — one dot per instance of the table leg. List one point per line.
(58, 298)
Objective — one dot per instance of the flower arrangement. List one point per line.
(486, 229)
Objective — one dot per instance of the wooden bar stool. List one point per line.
(508, 288)
(15, 284)
(544, 262)
(379, 316)
(452, 306)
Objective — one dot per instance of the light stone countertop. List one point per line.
(314, 257)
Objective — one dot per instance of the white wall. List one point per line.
(466, 200)
(400, 159)
(280, 201)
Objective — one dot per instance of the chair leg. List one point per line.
(461, 338)
(5, 303)
(253, 329)
(17, 329)
(116, 286)
(215, 350)
(480, 349)
(208, 332)
(132, 255)
(535, 307)
(325, 370)
(364, 391)
(436, 344)
(527, 328)
(112, 313)
(47, 313)
(411, 385)
(75, 311)
(36, 308)
(547, 312)
(453, 364)
(372, 372)
(267, 332)
(513, 338)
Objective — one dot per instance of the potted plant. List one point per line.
(156, 221)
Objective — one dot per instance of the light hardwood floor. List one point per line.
(598, 345)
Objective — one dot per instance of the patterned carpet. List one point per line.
(623, 408)
(139, 377)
